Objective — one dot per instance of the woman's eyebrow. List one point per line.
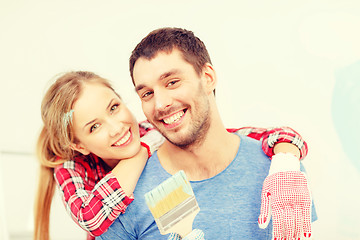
(111, 101)
(92, 121)
(108, 106)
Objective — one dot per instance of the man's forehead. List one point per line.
(159, 67)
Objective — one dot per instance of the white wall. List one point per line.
(275, 62)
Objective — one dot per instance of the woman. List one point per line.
(90, 147)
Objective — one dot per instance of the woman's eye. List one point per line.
(94, 127)
(114, 107)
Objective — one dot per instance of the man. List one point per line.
(174, 78)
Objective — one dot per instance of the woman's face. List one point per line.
(103, 125)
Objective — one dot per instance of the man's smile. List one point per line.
(174, 119)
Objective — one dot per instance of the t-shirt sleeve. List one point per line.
(121, 229)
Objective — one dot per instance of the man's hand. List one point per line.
(286, 197)
(196, 234)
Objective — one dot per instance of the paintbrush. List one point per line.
(173, 205)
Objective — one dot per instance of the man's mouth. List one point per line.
(123, 140)
(173, 118)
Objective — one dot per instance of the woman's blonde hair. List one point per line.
(53, 145)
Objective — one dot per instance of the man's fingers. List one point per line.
(298, 222)
(306, 216)
(278, 223)
(289, 222)
(307, 235)
(265, 212)
(262, 222)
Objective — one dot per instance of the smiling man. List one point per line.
(172, 100)
(180, 103)
(175, 80)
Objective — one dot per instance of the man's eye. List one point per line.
(146, 94)
(171, 83)
(94, 127)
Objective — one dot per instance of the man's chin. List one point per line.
(181, 142)
(179, 137)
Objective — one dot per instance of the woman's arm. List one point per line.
(275, 140)
(93, 206)
(93, 199)
(128, 171)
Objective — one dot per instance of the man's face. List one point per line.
(173, 97)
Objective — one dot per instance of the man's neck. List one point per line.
(204, 160)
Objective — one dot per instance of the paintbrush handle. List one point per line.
(180, 218)
(184, 227)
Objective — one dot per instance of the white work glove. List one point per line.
(286, 197)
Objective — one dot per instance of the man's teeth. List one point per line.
(173, 118)
(124, 139)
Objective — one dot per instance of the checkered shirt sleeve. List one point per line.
(92, 197)
(270, 136)
(150, 136)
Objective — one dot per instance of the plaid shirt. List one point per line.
(93, 196)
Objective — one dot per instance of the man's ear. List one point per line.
(210, 78)
(80, 148)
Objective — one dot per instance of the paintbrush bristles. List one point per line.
(168, 194)
(169, 202)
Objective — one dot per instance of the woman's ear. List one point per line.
(210, 78)
(80, 148)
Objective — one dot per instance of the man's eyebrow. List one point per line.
(162, 77)
(139, 87)
(168, 74)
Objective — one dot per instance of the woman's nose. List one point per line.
(115, 127)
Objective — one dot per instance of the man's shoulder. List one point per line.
(251, 154)
(248, 142)
(152, 166)
(152, 175)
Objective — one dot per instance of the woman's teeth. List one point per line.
(173, 118)
(123, 140)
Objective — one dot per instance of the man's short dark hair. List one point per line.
(168, 39)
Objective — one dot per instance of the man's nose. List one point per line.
(162, 100)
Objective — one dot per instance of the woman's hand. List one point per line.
(128, 171)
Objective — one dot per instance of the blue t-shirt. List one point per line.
(229, 202)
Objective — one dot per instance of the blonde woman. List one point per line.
(91, 148)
